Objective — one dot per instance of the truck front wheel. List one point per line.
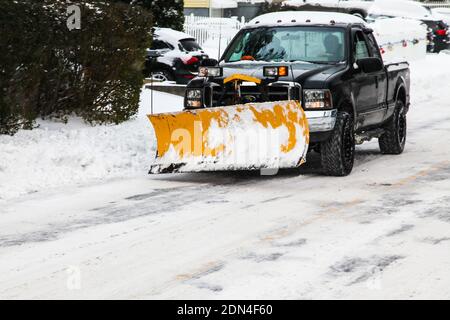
(393, 139)
(338, 152)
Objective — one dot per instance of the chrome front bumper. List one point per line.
(321, 121)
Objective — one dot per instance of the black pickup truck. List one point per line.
(332, 64)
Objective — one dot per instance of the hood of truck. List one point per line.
(309, 75)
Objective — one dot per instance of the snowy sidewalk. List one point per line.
(56, 154)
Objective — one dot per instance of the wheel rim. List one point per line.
(159, 76)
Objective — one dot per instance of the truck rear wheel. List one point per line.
(338, 152)
(394, 138)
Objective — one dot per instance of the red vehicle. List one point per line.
(439, 34)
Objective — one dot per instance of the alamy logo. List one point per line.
(73, 278)
(74, 17)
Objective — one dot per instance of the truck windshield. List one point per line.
(310, 44)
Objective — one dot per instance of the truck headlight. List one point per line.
(317, 99)
(194, 98)
(209, 72)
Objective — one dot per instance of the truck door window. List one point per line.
(361, 50)
(238, 50)
(373, 46)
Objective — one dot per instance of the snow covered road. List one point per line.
(382, 232)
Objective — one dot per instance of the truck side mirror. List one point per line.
(208, 62)
(369, 65)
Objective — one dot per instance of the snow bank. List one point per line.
(401, 39)
(429, 79)
(57, 155)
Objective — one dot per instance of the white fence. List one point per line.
(432, 5)
(206, 29)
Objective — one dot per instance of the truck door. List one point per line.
(381, 76)
(364, 86)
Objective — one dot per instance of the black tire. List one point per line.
(338, 153)
(393, 140)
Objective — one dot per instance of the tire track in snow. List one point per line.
(375, 264)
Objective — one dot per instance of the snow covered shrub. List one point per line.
(48, 70)
(109, 55)
(23, 35)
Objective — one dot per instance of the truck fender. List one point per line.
(347, 103)
(400, 88)
(401, 85)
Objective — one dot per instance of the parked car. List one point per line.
(441, 37)
(173, 56)
(336, 71)
(438, 34)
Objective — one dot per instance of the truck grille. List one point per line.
(217, 96)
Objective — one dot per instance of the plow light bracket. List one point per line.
(242, 78)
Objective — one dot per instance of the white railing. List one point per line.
(432, 5)
(207, 29)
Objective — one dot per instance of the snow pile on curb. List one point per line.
(430, 78)
(43, 158)
(57, 155)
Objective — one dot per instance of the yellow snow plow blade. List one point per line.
(268, 135)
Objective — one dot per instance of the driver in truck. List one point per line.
(333, 47)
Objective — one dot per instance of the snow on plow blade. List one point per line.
(253, 136)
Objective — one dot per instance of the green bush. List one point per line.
(166, 13)
(48, 70)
